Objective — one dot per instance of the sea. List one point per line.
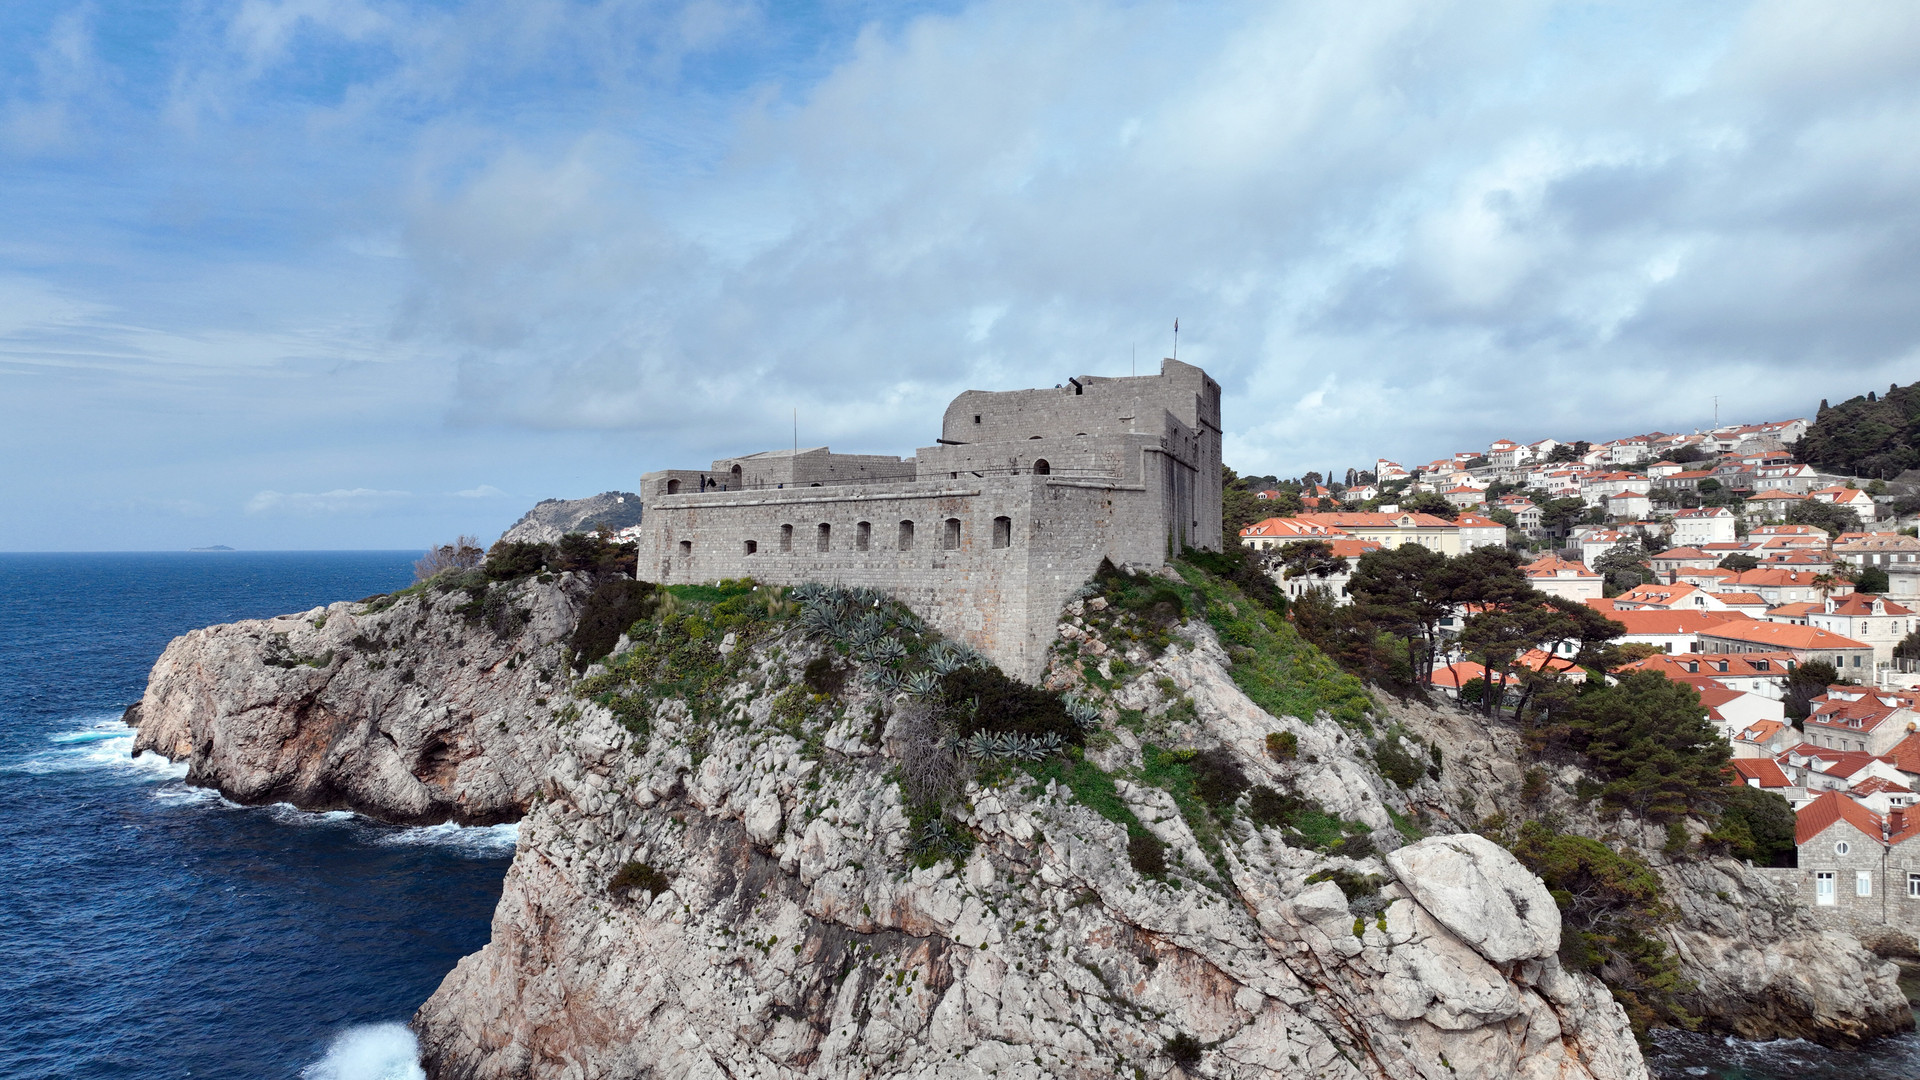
(152, 929)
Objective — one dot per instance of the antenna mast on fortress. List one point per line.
(1176, 338)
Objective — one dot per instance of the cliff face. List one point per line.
(793, 938)
(418, 709)
(1761, 967)
(728, 864)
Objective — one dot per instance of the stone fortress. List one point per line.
(989, 532)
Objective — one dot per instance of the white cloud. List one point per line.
(337, 501)
(484, 491)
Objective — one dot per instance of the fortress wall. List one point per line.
(1003, 600)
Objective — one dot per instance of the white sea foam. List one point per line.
(103, 743)
(369, 1052)
(483, 840)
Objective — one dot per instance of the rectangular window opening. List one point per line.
(1913, 886)
(906, 536)
(749, 547)
(952, 539)
(863, 536)
(1002, 532)
(1823, 887)
(786, 538)
(824, 541)
(1862, 883)
(686, 547)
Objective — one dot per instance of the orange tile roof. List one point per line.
(1762, 731)
(1761, 769)
(1660, 621)
(1794, 611)
(1905, 754)
(1457, 674)
(1683, 553)
(1829, 808)
(1356, 520)
(1858, 604)
(1782, 635)
(1554, 565)
(1742, 598)
(1294, 526)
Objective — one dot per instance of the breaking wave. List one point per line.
(369, 1052)
(106, 743)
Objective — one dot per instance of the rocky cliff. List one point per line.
(755, 843)
(550, 519)
(427, 706)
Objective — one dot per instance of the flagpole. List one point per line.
(1176, 339)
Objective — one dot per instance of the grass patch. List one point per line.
(1273, 665)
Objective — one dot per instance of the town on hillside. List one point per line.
(1783, 589)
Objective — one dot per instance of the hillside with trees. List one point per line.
(1875, 435)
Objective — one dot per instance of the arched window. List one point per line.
(786, 538)
(1002, 532)
(952, 539)
(906, 536)
(735, 472)
(673, 487)
(863, 536)
(824, 538)
(1041, 467)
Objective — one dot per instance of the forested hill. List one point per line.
(1874, 435)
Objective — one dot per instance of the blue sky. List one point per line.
(349, 273)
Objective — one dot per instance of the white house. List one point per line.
(1708, 525)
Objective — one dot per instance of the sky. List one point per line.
(363, 274)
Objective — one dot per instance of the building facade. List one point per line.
(988, 532)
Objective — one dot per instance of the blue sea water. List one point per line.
(150, 929)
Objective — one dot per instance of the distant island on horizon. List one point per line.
(214, 547)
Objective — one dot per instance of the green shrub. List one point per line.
(1533, 786)
(1273, 809)
(1353, 886)
(1217, 778)
(824, 677)
(1147, 852)
(1283, 746)
(1396, 764)
(637, 876)
(1611, 906)
(1184, 1050)
(933, 836)
(985, 699)
(611, 610)
(510, 560)
(1756, 825)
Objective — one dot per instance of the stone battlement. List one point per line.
(986, 533)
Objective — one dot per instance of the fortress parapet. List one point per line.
(986, 533)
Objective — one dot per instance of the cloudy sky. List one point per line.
(360, 273)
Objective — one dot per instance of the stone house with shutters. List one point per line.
(1858, 871)
(986, 533)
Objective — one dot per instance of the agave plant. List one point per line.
(867, 629)
(923, 684)
(887, 650)
(944, 659)
(808, 594)
(819, 621)
(1084, 714)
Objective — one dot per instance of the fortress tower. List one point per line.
(986, 533)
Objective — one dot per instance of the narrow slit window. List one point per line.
(906, 536)
(952, 538)
(863, 536)
(1002, 532)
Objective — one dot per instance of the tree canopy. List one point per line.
(1866, 436)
